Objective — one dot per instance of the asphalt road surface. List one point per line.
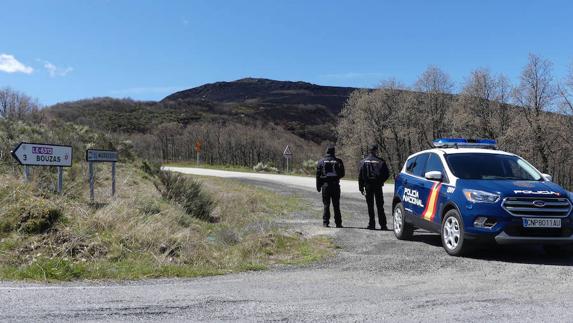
(372, 277)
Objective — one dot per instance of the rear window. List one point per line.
(410, 165)
(420, 167)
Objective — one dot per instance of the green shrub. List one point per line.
(189, 194)
(267, 168)
(150, 168)
(309, 166)
(33, 216)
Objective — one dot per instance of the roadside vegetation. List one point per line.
(187, 228)
(158, 225)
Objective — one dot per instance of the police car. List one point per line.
(467, 191)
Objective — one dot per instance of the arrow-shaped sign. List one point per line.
(31, 154)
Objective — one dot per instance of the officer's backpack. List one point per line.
(372, 169)
(330, 169)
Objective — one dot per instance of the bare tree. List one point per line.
(436, 88)
(535, 95)
(483, 102)
(16, 105)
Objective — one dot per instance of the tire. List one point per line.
(402, 229)
(453, 235)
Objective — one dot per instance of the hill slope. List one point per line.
(307, 110)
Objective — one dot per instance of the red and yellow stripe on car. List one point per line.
(432, 203)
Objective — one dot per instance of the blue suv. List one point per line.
(467, 191)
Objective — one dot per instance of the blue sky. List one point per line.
(64, 50)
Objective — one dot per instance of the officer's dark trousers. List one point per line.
(374, 193)
(331, 192)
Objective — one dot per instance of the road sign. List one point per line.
(198, 145)
(101, 156)
(287, 153)
(31, 154)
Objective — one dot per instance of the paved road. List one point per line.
(373, 277)
(346, 186)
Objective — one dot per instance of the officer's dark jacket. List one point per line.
(324, 177)
(373, 172)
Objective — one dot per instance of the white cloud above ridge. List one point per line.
(9, 64)
(55, 71)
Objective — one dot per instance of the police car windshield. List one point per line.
(491, 166)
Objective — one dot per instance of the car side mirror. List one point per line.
(434, 176)
(547, 177)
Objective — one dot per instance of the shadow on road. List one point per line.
(522, 254)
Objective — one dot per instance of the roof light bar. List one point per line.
(462, 142)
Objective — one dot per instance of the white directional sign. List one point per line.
(101, 156)
(30, 154)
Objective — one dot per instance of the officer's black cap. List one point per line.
(330, 150)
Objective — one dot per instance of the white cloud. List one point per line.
(9, 64)
(54, 70)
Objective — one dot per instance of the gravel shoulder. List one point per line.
(372, 277)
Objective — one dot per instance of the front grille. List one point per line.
(520, 231)
(537, 206)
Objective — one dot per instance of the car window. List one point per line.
(435, 164)
(410, 165)
(491, 166)
(420, 165)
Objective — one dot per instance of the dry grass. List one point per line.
(138, 234)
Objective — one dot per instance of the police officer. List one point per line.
(329, 171)
(372, 175)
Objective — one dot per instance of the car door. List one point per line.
(414, 195)
(434, 192)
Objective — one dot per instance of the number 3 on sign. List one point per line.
(25, 157)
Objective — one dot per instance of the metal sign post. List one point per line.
(287, 154)
(60, 179)
(113, 179)
(101, 156)
(33, 154)
(91, 179)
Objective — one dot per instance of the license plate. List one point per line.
(541, 223)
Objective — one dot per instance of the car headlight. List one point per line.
(476, 196)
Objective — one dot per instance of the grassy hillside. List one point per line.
(307, 110)
(158, 225)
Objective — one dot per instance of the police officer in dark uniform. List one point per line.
(372, 175)
(329, 171)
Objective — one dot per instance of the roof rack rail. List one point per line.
(464, 143)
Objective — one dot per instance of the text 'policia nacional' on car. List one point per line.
(466, 191)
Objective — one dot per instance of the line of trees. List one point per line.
(15, 105)
(223, 143)
(532, 118)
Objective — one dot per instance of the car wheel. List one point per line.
(402, 229)
(453, 234)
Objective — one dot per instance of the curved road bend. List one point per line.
(372, 277)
